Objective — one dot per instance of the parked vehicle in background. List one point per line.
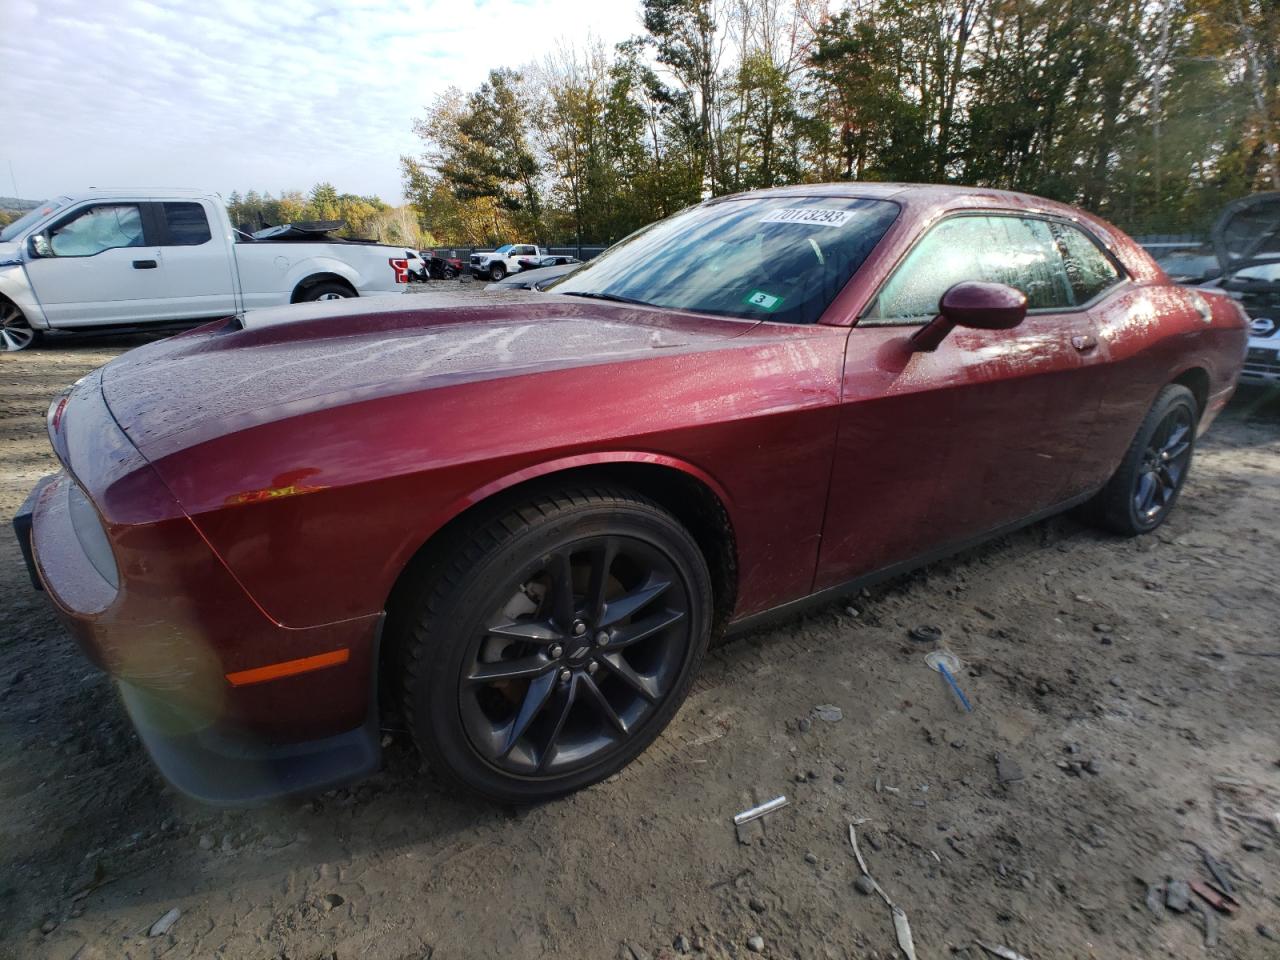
(416, 266)
(1246, 240)
(442, 267)
(517, 524)
(504, 260)
(126, 258)
(538, 279)
(551, 260)
(1192, 266)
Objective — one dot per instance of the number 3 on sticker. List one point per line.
(765, 301)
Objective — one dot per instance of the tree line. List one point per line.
(367, 217)
(1153, 113)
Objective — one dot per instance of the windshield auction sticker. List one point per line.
(816, 216)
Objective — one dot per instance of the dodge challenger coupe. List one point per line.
(514, 526)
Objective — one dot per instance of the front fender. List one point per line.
(433, 524)
(15, 286)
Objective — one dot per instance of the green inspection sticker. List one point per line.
(765, 301)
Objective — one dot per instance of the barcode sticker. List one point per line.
(815, 216)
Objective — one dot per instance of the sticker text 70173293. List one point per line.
(809, 216)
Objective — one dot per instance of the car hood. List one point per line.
(1247, 232)
(287, 361)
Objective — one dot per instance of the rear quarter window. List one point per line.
(187, 224)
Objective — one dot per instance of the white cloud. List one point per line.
(252, 95)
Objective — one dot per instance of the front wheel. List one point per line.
(15, 332)
(1142, 492)
(497, 271)
(553, 644)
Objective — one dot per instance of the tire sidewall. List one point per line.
(1172, 398)
(313, 294)
(438, 726)
(497, 272)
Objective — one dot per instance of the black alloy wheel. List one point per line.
(1142, 492)
(1164, 464)
(597, 645)
(543, 650)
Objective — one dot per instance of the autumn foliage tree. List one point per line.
(1152, 112)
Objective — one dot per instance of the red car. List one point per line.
(515, 525)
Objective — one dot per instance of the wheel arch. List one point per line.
(1196, 379)
(320, 277)
(692, 496)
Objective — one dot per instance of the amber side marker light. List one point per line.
(288, 668)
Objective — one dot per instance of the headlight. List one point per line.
(93, 539)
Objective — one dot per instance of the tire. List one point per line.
(326, 291)
(521, 692)
(497, 271)
(450, 273)
(1144, 489)
(15, 332)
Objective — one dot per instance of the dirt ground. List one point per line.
(1131, 690)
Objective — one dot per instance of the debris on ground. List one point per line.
(948, 665)
(165, 923)
(754, 813)
(998, 951)
(901, 928)
(1177, 896)
(925, 633)
(828, 712)
(1007, 769)
(1219, 900)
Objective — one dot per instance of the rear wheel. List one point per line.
(1143, 491)
(554, 643)
(15, 332)
(325, 291)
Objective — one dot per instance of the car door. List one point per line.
(199, 277)
(98, 265)
(936, 448)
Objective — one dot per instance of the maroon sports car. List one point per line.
(515, 526)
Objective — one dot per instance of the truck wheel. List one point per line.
(543, 650)
(326, 291)
(497, 271)
(15, 333)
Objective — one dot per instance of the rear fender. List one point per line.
(312, 266)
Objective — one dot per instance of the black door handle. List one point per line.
(144, 264)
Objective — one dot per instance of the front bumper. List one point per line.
(1262, 361)
(184, 642)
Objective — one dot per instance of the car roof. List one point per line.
(141, 193)
(916, 195)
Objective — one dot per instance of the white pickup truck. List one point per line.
(506, 259)
(132, 258)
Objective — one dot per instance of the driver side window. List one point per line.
(1016, 251)
(98, 228)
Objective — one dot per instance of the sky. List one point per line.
(250, 94)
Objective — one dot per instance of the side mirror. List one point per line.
(38, 246)
(976, 304)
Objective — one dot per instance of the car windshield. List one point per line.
(505, 248)
(41, 210)
(779, 258)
